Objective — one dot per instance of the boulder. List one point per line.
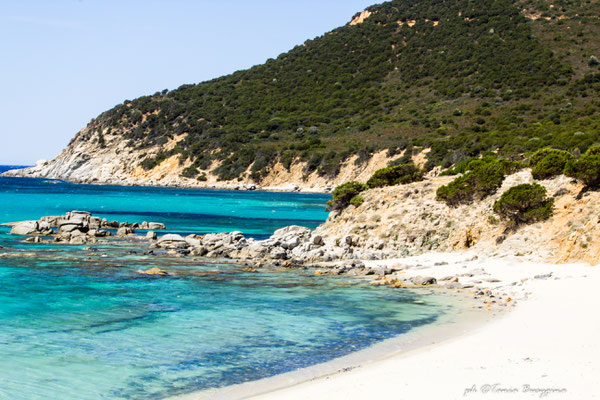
(109, 224)
(68, 225)
(156, 226)
(151, 235)
(25, 228)
(318, 241)
(278, 253)
(78, 240)
(125, 231)
(292, 229)
(423, 280)
(193, 240)
(171, 237)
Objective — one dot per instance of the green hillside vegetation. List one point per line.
(395, 175)
(524, 204)
(482, 179)
(587, 168)
(547, 163)
(466, 79)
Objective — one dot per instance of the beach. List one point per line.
(545, 347)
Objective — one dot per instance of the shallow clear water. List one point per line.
(79, 323)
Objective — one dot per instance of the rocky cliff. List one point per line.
(408, 220)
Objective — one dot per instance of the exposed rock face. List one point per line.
(25, 228)
(85, 160)
(407, 220)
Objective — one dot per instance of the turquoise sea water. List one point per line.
(79, 323)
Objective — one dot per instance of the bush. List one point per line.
(472, 163)
(344, 194)
(476, 184)
(396, 175)
(524, 204)
(587, 168)
(546, 163)
(357, 200)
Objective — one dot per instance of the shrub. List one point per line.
(524, 204)
(476, 184)
(395, 175)
(357, 200)
(190, 172)
(343, 195)
(587, 168)
(547, 163)
(472, 163)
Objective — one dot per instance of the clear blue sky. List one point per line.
(63, 62)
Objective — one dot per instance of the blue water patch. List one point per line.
(181, 210)
(79, 323)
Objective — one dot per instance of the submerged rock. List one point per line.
(153, 271)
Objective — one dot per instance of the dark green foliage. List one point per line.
(357, 200)
(149, 163)
(524, 204)
(478, 183)
(202, 177)
(343, 195)
(395, 175)
(546, 163)
(190, 172)
(483, 79)
(587, 168)
(475, 162)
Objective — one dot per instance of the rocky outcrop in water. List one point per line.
(77, 227)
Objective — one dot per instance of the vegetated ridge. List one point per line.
(430, 81)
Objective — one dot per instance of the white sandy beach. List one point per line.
(544, 347)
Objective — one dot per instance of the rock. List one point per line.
(193, 240)
(199, 252)
(172, 241)
(110, 224)
(318, 241)
(278, 253)
(153, 271)
(291, 243)
(423, 280)
(292, 229)
(453, 285)
(125, 231)
(156, 226)
(94, 223)
(78, 240)
(24, 228)
(349, 240)
(102, 233)
(151, 235)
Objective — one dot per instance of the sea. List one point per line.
(77, 322)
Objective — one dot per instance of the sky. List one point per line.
(63, 62)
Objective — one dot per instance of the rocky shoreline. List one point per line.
(292, 247)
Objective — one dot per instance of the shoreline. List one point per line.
(250, 187)
(460, 353)
(546, 343)
(449, 328)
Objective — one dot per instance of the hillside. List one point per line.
(436, 80)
